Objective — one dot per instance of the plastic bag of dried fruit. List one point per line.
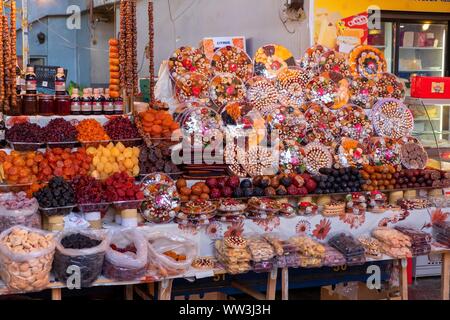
(164, 86)
(127, 256)
(88, 260)
(26, 257)
(169, 254)
(17, 209)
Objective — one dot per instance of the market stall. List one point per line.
(262, 164)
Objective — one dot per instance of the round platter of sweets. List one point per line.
(291, 157)
(162, 200)
(290, 83)
(317, 156)
(324, 127)
(367, 62)
(257, 160)
(354, 123)
(237, 118)
(233, 60)
(383, 150)
(389, 86)
(225, 88)
(289, 123)
(262, 94)
(391, 118)
(271, 59)
(192, 85)
(327, 90)
(333, 61)
(351, 153)
(311, 58)
(198, 208)
(231, 159)
(203, 124)
(413, 155)
(188, 59)
(362, 92)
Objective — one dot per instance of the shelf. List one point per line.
(422, 70)
(427, 102)
(426, 119)
(422, 48)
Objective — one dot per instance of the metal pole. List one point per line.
(25, 44)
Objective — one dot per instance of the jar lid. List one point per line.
(46, 97)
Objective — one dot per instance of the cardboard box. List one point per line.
(210, 45)
(430, 87)
(357, 291)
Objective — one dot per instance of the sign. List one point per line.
(46, 76)
(343, 24)
(210, 45)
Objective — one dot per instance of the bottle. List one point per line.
(30, 81)
(2, 131)
(118, 105)
(108, 104)
(75, 102)
(18, 81)
(60, 82)
(86, 102)
(97, 103)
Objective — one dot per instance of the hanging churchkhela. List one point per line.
(151, 53)
(13, 62)
(2, 64)
(128, 47)
(6, 63)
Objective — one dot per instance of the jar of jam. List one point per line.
(46, 104)
(17, 109)
(63, 104)
(30, 104)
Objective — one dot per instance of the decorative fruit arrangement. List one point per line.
(112, 159)
(158, 123)
(91, 130)
(342, 180)
(409, 178)
(25, 132)
(199, 190)
(62, 163)
(114, 69)
(58, 193)
(59, 130)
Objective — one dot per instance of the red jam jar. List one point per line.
(63, 104)
(30, 104)
(46, 105)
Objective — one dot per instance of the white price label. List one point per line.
(45, 84)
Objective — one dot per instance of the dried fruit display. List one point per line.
(317, 156)
(90, 130)
(367, 62)
(187, 59)
(121, 128)
(291, 84)
(112, 159)
(391, 118)
(114, 69)
(226, 88)
(156, 124)
(128, 47)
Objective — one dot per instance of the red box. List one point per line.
(430, 87)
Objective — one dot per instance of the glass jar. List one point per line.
(46, 105)
(62, 105)
(17, 110)
(30, 104)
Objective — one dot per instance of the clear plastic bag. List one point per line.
(160, 245)
(90, 260)
(130, 265)
(164, 86)
(12, 214)
(26, 271)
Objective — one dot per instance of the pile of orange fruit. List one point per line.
(64, 163)
(158, 123)
(91, 130)
(21, 168)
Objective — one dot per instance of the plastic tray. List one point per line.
(93, 207)
(262, 266)
(25, 146)
(127, 205)
(58, 211)
(442, 228)
(347, 245)
(415, 235)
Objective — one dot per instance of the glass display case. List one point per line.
(383, 40)
(431, 127)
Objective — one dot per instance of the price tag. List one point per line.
(273, 274)
(204, 274)
(45, 84)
